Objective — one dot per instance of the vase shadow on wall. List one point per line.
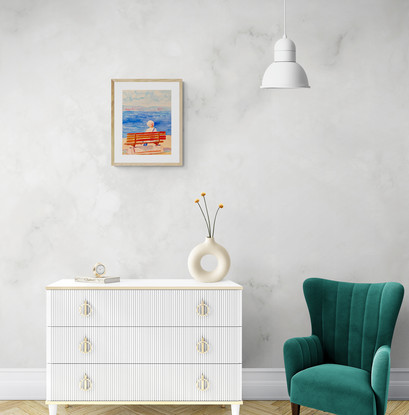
(208, 247)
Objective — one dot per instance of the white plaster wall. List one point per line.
(314, 182)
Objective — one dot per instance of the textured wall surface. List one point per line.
(314, 182)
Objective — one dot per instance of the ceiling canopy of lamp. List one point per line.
(284, 72)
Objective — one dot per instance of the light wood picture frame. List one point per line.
(147, 122)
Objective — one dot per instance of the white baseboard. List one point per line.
(270, 384)
(264, 385)
(22, 384)
(258, 384)
(399, 385)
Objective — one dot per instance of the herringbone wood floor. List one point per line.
(249, 408)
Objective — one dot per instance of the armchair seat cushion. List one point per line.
(339, 389)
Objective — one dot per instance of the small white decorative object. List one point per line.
(99, 270)
(208, 247)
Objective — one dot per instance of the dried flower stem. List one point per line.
(208, 217)
(207, 224)
(214, 222)
(210, 234)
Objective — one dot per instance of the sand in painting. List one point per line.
(145, 113)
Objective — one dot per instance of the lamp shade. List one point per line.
(285, 72)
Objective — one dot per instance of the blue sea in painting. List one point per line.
(135, 121)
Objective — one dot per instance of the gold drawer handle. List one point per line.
(202, 346)
(85, 346)
(85, 383)
(85, 308)
(203, 384)
(202, 309)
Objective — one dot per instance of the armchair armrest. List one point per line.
(381, 366)
(301, 353)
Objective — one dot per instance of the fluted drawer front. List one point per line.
(144, 382)
(144, 307)
(145, 344)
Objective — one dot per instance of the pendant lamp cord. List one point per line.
(285, 30)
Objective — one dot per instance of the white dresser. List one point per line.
(144, 342)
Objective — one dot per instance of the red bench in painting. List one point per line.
(134, 139)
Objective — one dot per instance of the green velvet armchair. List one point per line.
(343, 367)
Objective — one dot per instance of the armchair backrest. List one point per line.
(352, 320)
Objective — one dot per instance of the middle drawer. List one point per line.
(144, 345)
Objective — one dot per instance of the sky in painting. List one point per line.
(147, 99)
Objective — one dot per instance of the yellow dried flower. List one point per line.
(197, 201)
(221, 206)
(203, 194)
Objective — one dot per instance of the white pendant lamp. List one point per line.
(284, 72)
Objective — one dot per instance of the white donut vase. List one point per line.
(208, 247)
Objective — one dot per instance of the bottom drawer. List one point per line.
(146, 382)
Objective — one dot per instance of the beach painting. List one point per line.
(146, 122)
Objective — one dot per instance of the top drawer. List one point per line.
(150, 308)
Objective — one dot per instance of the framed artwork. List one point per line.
(147, 122)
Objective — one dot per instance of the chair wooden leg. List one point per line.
(295, 409)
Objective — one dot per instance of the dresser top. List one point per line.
(145, 284)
